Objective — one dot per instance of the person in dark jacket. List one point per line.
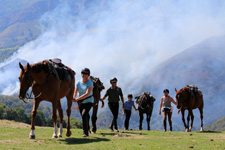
(114, 93)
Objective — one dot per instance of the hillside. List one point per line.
(13, 102)
(20, 21)
(219, 125)
(202, 65)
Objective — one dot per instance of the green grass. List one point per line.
(15, 136)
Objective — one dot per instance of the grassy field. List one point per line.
(14, 135)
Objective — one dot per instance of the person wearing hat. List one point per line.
(114, 93)
(84, 87)
(167, 109)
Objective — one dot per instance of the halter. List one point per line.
(188, 97)
(28, 96)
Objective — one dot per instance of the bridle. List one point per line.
(28, 96)
(178, 99)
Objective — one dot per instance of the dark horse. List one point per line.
(187, 100)
(98, 87)
(46, 86)
(145, 105)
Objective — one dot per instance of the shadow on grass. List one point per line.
(209, 132)
(83, 140)
(122, 132)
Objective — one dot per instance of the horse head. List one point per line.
(97, 83)
(181, 96)
(25, 80)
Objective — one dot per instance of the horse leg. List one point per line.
(60, 111)
(54, 117)
(148, 121)
(201, 116)
(182, 112)
(68, 111)
(33, 115)
(188, 119)
(94, 118)
(141, 119)
(192, 120)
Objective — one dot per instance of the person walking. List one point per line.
(85, 99)
(114, 94)
(167, 109)
(127, 110)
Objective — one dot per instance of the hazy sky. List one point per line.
(125, 39)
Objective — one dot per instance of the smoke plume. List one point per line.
(125, 39)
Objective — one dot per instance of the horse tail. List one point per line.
(77, 107)
(102, 105)
(178, 111)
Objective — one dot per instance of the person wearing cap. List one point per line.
(84, 88)
(167, 109)
(114, 93)
(127, 107)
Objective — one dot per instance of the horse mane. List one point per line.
(182, 90)
(40, 66)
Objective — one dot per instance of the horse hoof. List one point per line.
(68, 133)
(59, 135)
(31, 136)
(93, 131)
(54, 136)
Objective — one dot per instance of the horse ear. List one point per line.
(28, 66)
(176, 90)
(96, 80)
(21, 66)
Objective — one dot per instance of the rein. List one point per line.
(28, 96)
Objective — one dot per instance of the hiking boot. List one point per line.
(111, 128)
(84, 135)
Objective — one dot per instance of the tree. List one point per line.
(75, 123)
(39, 119)
(22, 117)
(10, 114)
(2, 110)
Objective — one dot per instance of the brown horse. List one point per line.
(98, 87)
(46, 86)
(145, 105)
(188, 101)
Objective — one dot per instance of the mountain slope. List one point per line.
(202, 65)
(20, 26)
(219, 125)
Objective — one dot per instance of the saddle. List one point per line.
(58, 69)
(194, 90)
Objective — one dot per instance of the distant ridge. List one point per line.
(219, 125)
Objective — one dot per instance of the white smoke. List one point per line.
(125, 39)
